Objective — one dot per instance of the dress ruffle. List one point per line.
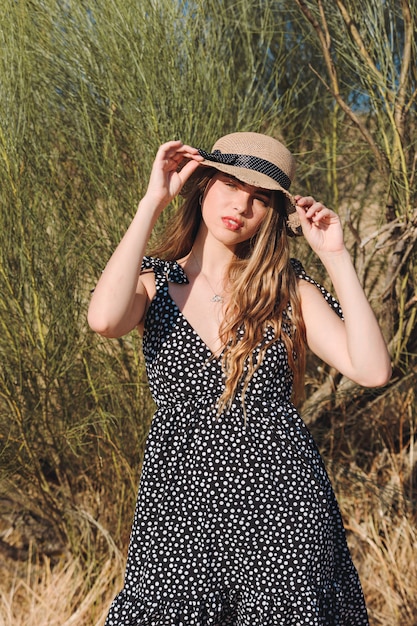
(236, 608)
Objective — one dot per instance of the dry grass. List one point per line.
(389, 569)
(67, 594)
(382, 537)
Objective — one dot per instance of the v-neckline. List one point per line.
(213, 355)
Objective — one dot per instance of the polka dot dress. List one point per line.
(235, 525)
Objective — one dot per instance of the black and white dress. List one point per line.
(235, 524)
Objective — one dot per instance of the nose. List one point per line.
(242, 202)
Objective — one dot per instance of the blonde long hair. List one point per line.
(262, 290)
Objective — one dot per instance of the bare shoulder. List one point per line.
(316, 308)
(147, 282)
(307, 290)
(147, 288)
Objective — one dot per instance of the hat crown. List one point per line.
(258, 145)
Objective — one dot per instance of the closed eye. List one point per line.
(259, 195)
(265, 200)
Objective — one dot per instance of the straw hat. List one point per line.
(258, 160)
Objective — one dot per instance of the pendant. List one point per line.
(216, 298)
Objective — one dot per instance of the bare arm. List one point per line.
(120, 297)
(356, 346)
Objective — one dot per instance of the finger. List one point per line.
(188, 169)
(315, 215)
(315, 209)
(182, 157)
(301, 212)
(189, 151)
(169, 147)
(178, 149)
(175, 156)
(304, 201)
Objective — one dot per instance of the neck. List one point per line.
(212, 257)
(209, 262)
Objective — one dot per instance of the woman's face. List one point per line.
(232, 211)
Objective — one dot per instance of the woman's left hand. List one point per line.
(321, 226)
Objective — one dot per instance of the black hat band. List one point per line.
(250, 163)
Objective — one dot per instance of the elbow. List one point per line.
(99, 323)
(379, 377)
(385, 377)
(96, 326)
(107, 325)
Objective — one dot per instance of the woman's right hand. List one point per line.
(166, 181)
(120, 298)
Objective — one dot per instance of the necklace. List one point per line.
(216, 297)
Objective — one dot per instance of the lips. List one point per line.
(232, 223)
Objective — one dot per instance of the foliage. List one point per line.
(83, 108)
(88, 90)
(369, 52)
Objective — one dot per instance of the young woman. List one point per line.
(236, 521)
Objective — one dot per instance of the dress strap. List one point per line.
(301, 273)
(165, 271)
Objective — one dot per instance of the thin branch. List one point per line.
(400, 255)
(324, 36)
(411, 101)
(360, 45)
(390, 227)
(409, 34)
(378, 154)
